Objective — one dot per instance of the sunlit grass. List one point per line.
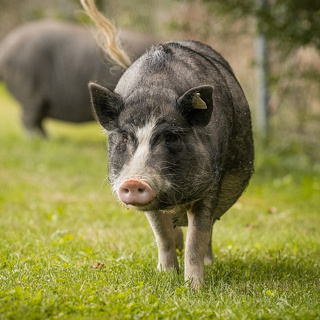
(68, 250)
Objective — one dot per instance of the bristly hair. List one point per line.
(159, 57)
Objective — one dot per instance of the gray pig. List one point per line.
(47, 65)
(180, 145)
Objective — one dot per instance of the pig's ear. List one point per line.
(196, 105)
(106, 106)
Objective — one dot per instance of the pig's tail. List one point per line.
(108, 34)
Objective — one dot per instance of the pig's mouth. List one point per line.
(148, 207)
(140, 195)
(152, 206)
(157, 203)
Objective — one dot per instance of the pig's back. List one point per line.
(207, 53)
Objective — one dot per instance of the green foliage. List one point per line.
(70, 251)
(289, 22)
(296, 22)
(291, 29)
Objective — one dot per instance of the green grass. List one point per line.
(68, 250)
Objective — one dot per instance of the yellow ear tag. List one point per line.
(198, 103)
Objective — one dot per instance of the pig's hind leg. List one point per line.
(162, 227)
(208, 258)
(32, 115)
(178, 238)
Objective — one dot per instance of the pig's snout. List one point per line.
(135, 192)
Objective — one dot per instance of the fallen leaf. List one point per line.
(99, 265)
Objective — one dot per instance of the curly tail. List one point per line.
(107, 33)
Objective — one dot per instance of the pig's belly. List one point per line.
(179, 216)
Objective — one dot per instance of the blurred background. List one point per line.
(58, 216)
(273, 47)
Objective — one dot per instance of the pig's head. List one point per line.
(157, 155)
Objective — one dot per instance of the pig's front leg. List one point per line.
(197, 244)
(162, 227)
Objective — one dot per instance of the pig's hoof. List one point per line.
(195, 283)
(170, 267)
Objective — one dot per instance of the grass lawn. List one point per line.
(68, 250)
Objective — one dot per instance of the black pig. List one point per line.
(180, 145)
(47, 65)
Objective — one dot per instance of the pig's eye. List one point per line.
(124, 137)
(173, 140)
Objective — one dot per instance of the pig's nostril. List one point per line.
(140, 190)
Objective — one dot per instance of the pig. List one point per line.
(180, 145)
(47, 64)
